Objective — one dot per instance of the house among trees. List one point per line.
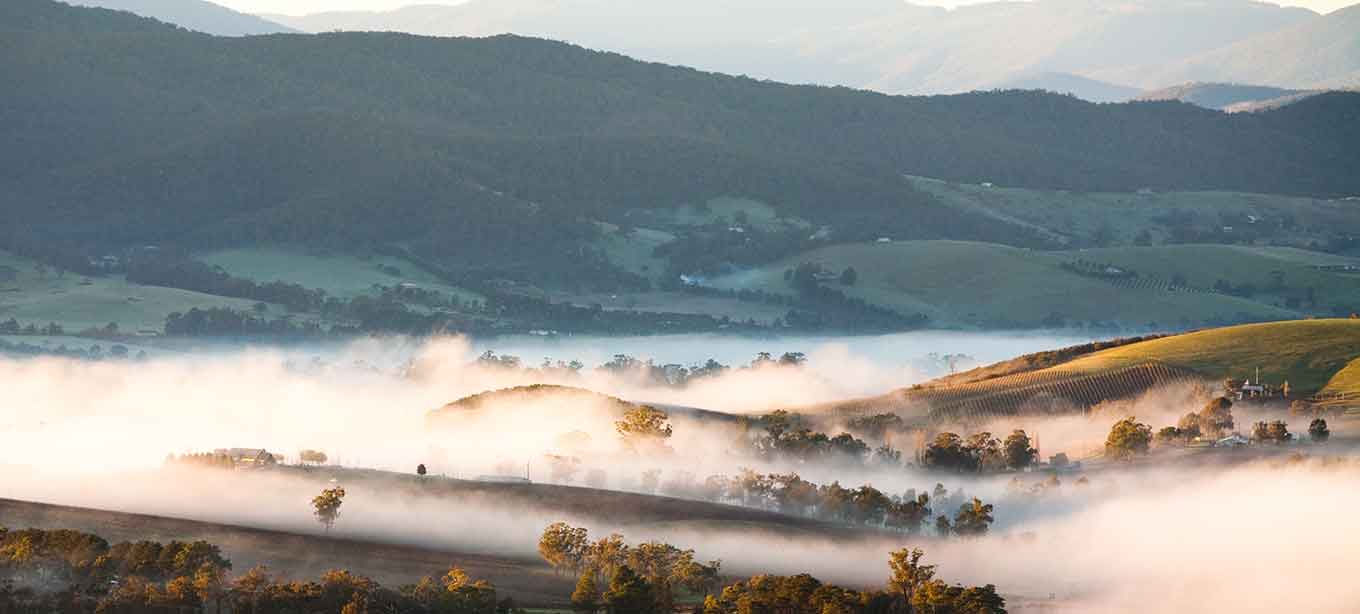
(248, 457)
(1258, 391)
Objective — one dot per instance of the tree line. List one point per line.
(72, 572)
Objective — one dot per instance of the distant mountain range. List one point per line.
(121, 129)
(196, 15)
(1098, 50)
(1317, 53)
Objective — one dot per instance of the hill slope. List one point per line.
(1310, 354)
(1307, 353)
(196, 15)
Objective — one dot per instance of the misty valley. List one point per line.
(679, 306)
(837, 453)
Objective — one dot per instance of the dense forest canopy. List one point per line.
(124, 129)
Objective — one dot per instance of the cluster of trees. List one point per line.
(640, 578)
(645, 371)
(225, 321)
(95, 351)
(1040, 488)
(215, 460)
(72, 572)
(679, 376)
(980, 452)
(616, 578)
(12, 326)
(1275, 431)
(784, 437)
(865, 505)
(1214, 420)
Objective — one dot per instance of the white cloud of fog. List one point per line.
(358, 406)
(1255, 538)
(1204, 537)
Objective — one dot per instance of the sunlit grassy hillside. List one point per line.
(1307, 353)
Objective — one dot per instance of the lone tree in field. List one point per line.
(314, 457)
(644, 428)
(1018, 452)
(327, 506)
(1128, 438)
(1318, 431)
(420, 470)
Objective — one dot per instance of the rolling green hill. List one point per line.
(988, 285)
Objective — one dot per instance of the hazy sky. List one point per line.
(302, 7)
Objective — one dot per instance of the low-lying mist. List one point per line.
(1242, 536)
(1267, 536)
(365, 403)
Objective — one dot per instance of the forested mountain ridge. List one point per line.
(125, 129)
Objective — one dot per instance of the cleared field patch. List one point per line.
(41, 295)
(1275, 272)
(340, 275)
(632, 251)
(989, 285)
